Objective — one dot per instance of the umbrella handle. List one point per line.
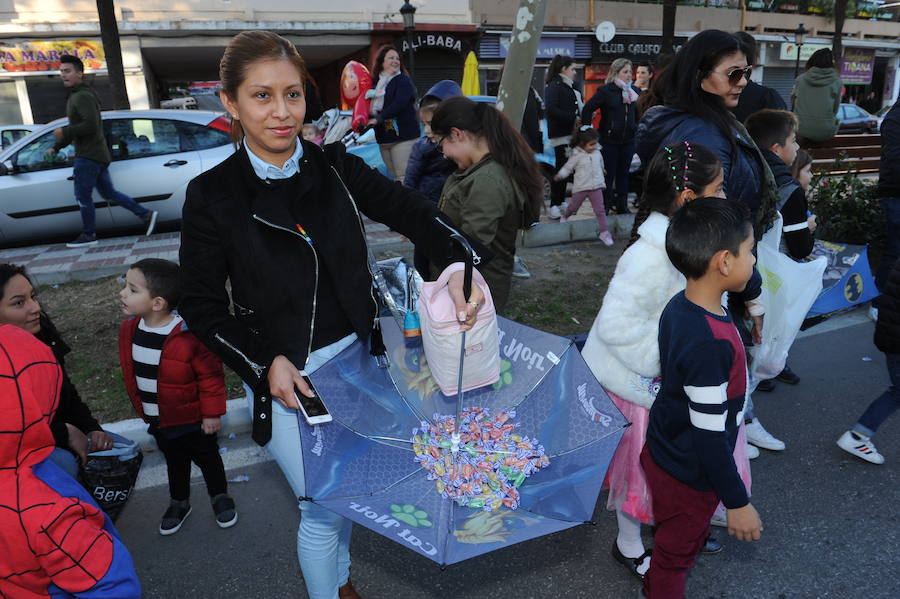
(469, 264)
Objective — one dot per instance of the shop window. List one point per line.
(35, 156)
(139, 138)
(10, 113)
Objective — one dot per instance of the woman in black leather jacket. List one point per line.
(562, 103)
(280, 220)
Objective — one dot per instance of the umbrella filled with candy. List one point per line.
(514, 460)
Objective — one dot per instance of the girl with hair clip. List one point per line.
(622, 346)
(497, 189)
(705, 80)
(617, 102)
(393, 110)
(274, 270)
(562, 104)
(587, 164)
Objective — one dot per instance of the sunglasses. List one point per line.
(735, 75)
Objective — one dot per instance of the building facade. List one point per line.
(170, 51)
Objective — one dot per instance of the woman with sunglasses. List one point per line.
(697, 90)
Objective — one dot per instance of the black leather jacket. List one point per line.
(232, 231)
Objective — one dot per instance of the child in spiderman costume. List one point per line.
(54, 540)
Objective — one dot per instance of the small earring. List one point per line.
(234, 117)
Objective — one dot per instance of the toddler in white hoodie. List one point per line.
(587, 164)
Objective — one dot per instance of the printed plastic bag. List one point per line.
(789, 289)
(109, 476)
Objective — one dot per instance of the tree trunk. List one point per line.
(112, 49)
(837, 47)
(519, 65)
(668, 27)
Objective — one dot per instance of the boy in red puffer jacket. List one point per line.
(176, 385)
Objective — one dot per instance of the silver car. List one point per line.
(155, 155)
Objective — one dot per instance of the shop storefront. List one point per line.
(863, 69)
(437, 55)
(30, 89)
(639, 49)
(494, 45)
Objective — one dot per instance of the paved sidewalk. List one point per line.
(50, 264)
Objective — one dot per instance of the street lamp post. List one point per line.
(409, 24)
(799, 38)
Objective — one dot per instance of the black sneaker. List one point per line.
(174, 517)
(223, 506)
(150, 219)
(711, 546)
(766, 386)
(83, 240)
(787, 376)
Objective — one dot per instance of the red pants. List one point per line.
(682, 517)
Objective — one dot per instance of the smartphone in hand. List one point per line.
(312, 408)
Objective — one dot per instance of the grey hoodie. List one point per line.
(816, 99)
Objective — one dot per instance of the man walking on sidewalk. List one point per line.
(92, 157)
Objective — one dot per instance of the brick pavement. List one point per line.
(55, 263)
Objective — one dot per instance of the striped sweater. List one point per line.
(694, 420)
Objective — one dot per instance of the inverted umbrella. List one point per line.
(471, 86)
(363, 465)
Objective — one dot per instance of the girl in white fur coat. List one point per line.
(622, 347)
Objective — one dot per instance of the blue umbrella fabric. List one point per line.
(363, 465)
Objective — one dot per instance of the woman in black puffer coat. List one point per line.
(562, 104)
(858, 440)
(617, 102)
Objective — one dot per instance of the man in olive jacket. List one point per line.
(92, 157)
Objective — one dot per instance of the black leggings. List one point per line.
(197, 447)
(558, 188)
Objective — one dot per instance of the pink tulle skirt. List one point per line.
(628, 489)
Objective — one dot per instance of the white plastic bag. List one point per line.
(789, 289)
(441, 336)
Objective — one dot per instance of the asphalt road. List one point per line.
(831, 520)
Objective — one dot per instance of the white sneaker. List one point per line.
(519, 270)
(606, 238)
(760, 437)
(555, 214)
(720, 518)
(873, 313)
(860, 446)
(752, 452)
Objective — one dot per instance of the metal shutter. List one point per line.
(781, 79)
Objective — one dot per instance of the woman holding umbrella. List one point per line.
(279, 221)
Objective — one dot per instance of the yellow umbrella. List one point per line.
(470, 84)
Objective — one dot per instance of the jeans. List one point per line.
(617, 161)
(89, 174)
(890, 208)
(323, 539)
(886, 404)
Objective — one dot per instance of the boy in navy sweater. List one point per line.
(688, 458)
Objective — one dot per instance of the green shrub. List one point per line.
(848, 210)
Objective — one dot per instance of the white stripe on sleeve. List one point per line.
(707, 395)
(708, 422)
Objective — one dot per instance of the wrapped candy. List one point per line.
(490, 465)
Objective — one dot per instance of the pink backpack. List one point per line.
(441, 336)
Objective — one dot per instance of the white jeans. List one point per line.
(323, 539)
